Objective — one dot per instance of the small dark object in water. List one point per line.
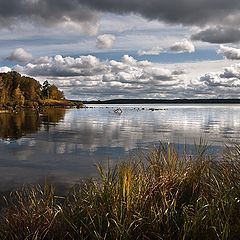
(118, 110)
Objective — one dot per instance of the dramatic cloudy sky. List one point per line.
(108, 49)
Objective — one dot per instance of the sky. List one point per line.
(110, 49)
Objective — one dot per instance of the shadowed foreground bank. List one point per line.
(171, 197)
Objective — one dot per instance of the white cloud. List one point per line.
(229, 52)
(159, 73)
(218, 81)
(64, 66)
(42, 60)
(222, 84)
(117, 66)
(105, 41)
(20, 55)
(129, 60)
(153, 51)
(87, 77)
(5, 69)
(183, 46)
(105, 79)
(231, 72)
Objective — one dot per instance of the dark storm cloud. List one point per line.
(44, 11)
(187, 12)
(173, 11)
(218, 35)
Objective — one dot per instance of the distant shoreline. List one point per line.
(165, 101)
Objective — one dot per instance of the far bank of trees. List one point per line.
(21, 91)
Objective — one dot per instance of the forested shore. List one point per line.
(18, 91)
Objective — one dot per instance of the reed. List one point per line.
(164, 195)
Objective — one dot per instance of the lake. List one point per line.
(63, 145)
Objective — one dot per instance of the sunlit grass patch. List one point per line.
(56, 103)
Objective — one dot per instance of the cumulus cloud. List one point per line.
(160, 73)
(89, 66)
(179, 72)
(93, 77)
(218, 81)
(5, 69)
(20, 55)
(229, 52)
(179, 47)
(183, 46)
(218, 35)
(153, 51)
(87, 77)
(129, 60)
(105, 41)
(223, 84)
(63, 66)
(231, 72)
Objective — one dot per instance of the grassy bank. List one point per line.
(56, 103)
(171, 196)
(43, 103)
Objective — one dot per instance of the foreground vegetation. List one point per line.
(161, 195)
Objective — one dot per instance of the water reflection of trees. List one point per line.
(51, 116)
(18, 124)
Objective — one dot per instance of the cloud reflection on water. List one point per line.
(66, 147)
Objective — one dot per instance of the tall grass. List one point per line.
(166, 195)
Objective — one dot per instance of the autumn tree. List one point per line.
(1, 83)
(5, 90)
(55, 93)
(18, 97)
(1, 90)
(17, 90)
(31, 90)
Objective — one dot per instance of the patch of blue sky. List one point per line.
(165, 57)
(7, 63)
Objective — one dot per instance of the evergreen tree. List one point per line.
(45, 90)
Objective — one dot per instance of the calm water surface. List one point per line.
(65, 144)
